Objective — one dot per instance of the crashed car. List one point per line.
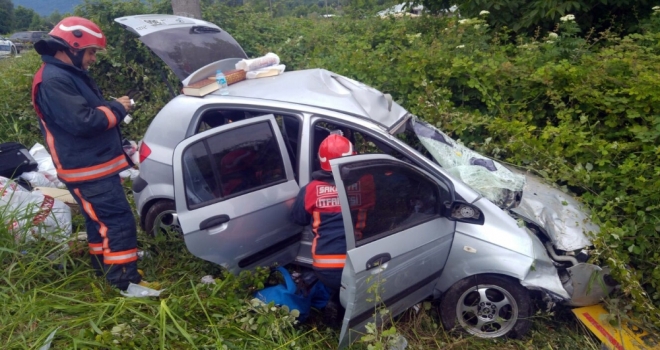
(447, 224)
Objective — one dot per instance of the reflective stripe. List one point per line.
(96, 248)
(87, 207)
(93, 172)
(112, 118)
(122, 257)
(329, 261)
(50, 140)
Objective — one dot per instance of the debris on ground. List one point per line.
(32, 215)
(138, 291)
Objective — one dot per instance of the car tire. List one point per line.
(161, 218)
(487, 306)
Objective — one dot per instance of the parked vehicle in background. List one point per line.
(25, 40)
(7, 48)
(224, 170)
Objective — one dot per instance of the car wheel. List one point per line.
(161, 219)
(487, 306)
(13, 52)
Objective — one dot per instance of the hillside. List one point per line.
(46, 7)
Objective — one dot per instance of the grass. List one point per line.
(39, 295)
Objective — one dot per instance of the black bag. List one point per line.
(15, 160)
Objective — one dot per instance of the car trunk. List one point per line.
(184, 44)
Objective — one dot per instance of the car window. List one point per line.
(363, 143)
(387, 197)
(289, 126)
(232, 163)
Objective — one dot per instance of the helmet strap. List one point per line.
(76, 58)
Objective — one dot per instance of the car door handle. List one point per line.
(378, 260)
(213, 221)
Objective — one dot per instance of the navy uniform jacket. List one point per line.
(80, 127)
(318, 203)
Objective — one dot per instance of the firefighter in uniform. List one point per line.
(318, 203)
(82, 132)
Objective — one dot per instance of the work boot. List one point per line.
(143, 283)
(333, 314)
(152, 285)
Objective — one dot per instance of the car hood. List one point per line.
(563, 219)
(184, 44)
(559, 215)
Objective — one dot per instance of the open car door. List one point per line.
(396, 237)
(233, 188)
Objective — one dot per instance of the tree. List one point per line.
(187, 8)
(528, 15)
(23, 18)
(6, 16)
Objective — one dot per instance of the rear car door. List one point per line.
(233, 188)
(396, 236)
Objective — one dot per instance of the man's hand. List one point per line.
(126, 102)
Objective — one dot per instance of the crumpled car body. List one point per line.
(224, 170)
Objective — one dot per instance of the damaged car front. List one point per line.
(545, 247)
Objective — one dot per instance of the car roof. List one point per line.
(324, 89)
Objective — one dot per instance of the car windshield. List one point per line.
(488, 177)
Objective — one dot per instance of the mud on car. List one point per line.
(449, 224)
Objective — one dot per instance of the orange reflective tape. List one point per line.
(87, 207)
(324, 256)
(94, 172)
(50, 140)
(328, 265)
(96, 248)
(122, 252)
(315, 226)
(329, 261)
(94, 167)
(112, 118)
(121, 257)
(116, 261)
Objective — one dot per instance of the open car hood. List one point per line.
(184, 44)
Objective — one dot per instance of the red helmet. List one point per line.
(79, 33)
(334, 146)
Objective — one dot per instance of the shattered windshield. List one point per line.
(491, 179)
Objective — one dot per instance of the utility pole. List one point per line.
(187, 8)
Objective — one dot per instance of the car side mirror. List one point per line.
(465, 212)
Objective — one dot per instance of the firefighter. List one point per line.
(82, 132)
(317, 204)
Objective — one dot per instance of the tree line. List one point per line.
(19, 18)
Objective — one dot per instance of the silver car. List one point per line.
(447, 224)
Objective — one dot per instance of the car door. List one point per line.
(233, 188)
(396, 236)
